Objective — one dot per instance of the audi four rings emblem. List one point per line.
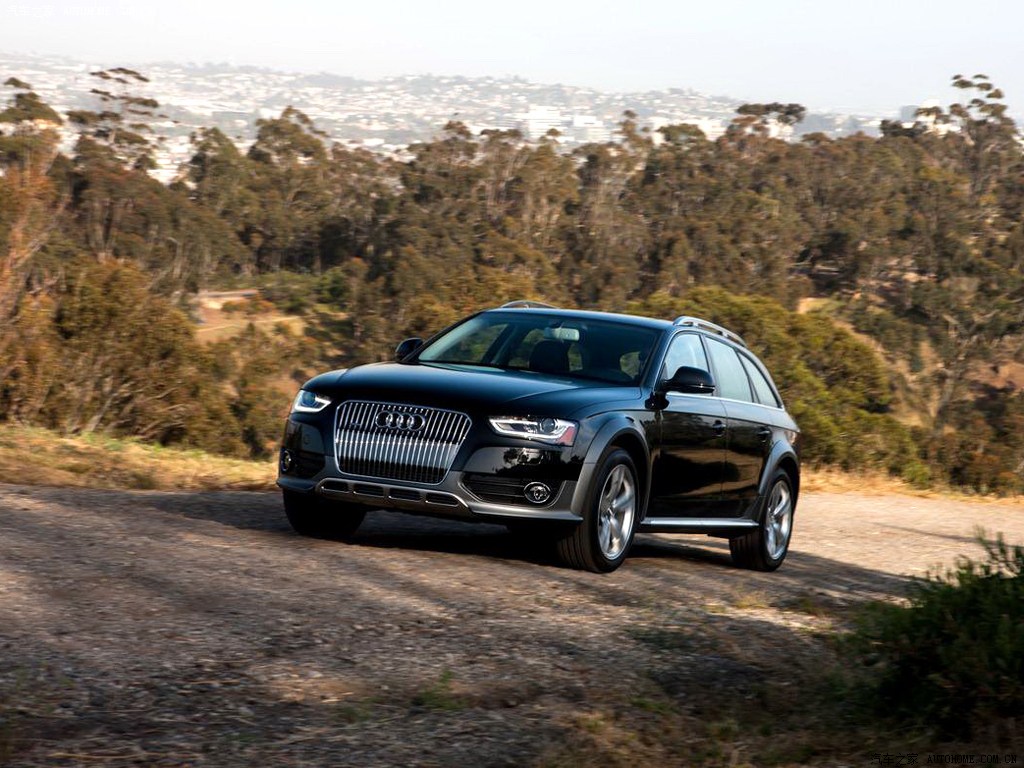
(409, 422)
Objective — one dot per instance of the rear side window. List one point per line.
(730, 377)
(762, 389)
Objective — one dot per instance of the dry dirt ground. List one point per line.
(180, 629)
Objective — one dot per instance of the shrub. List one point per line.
(835, 386)
(290, 292)
(953, 659)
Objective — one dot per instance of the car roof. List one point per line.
(580, 314)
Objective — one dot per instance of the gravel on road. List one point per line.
(153, 628)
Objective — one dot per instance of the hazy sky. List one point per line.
(856, 54)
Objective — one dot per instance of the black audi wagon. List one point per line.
(583, 428)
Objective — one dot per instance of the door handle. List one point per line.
(764, 433)
(718, 428)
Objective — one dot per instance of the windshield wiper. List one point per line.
(574, 375)
(462, 362)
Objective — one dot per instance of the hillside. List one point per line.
(909, 246)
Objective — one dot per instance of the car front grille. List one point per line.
(366, 446)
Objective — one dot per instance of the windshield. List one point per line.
(599, 350)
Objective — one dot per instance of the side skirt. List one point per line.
(711, 526)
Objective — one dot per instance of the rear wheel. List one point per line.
(765, 548)
(601, 541)
(312, 516)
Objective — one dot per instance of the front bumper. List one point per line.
(450, 498)
(311, 467)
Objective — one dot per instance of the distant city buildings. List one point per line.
(389, 114)
(539, 120)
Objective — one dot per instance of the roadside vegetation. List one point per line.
(951, 662)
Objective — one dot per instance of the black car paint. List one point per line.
(703, 461)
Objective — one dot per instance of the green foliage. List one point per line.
(953, 658)
(252, 369)
(294, 293)
(106, 355)
(983, 452)
(28, 107)
(82, 364)
(118, 127)
(901, 338)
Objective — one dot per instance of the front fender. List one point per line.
(628, 432)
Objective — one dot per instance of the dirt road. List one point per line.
(145, 628)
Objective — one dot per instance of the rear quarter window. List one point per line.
(762, 389)
(730, 376)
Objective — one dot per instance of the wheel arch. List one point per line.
(618, 432)
(785, 459)
(789, 465)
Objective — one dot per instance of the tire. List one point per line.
(310, 515)
(764, 548)
(600, 543)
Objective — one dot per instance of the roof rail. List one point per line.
(524, 304)
(705, 325)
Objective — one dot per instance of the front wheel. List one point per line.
(765, 548)
(601, 541)
(321, 519)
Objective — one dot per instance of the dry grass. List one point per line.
(232, 326)
(34, 456)
(39, 457)
(825, 480)
(226, 314)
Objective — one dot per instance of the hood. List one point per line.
(467, 388)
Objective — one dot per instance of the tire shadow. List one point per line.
(661, 558)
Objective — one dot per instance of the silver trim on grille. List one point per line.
(425, 455)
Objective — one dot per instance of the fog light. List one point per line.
(537, 493)
(287, 460)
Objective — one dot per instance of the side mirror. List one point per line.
(693, 381)
(406, 348)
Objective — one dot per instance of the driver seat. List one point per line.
(549, 356)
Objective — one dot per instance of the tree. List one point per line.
(608, 240)
(120, 125)
(966, 296)
(221, 180)
(758, 118)
(27, 107)
(988, 135)
(290, 180)
(31, 203)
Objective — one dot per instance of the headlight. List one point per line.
(546, 430)
(309, 402)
